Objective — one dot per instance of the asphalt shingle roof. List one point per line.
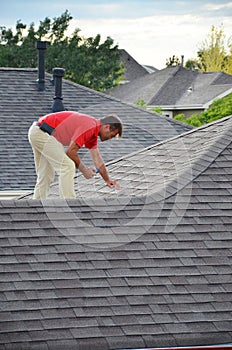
(175, 86)
(22, 103)
(147, 267)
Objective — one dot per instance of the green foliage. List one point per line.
(220, 108)
(214, 55)
(180, 118)
(157, 110)
(194, 120)
(87, 61)
(172, 61)
(140, 103)
(192, 64)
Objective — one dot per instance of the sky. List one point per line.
(151, 31)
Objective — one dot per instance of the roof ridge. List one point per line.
(166, 82)
(171, 139)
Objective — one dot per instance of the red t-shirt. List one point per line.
(73, 126)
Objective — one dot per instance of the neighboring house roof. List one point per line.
(176, 86)
(133, 70)
(145, 267)
(150, 69)
(22, 103)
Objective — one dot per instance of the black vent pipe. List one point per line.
(41, 46)
(58, 73)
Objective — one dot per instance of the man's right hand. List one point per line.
(113, 183)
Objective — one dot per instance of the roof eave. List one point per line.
(192, 106)
(177, 107)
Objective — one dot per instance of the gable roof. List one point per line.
(22, 103)
(176, 86)
(133, 70)
(150, 266)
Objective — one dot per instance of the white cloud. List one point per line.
(151, 40)
(216, 7)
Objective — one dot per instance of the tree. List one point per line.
(172, 61)
(213, 54)
(192, 64)
(228, 60)
(86, 61)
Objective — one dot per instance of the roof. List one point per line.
(146, 267)
(133, 70)
(22, 103)
(175, 86)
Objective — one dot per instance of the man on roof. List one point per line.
(52, 132)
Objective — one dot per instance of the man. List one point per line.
(52, 132)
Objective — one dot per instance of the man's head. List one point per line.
(111, 126)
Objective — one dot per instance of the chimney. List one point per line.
(58, 73)
(182, 61)
(41, 46)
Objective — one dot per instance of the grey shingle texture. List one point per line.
(175, 86)
(133, 70)
(149, 266)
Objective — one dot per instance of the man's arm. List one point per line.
(99, 164)
(72, 152)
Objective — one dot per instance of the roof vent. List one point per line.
(41, 46)
(58, 73)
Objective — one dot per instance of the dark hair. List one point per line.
(115, 123)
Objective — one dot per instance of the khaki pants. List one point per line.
(50, 157)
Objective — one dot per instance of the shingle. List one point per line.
(68, 344)
(50, 334)
(97, 343)
(12, 337)
(202, 306)
(137, 329)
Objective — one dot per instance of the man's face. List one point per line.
(106, 134)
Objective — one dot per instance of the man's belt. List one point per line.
(45, 127)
